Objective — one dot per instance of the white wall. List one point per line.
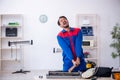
(40, 55)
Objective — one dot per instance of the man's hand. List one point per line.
(77, 62)
(74, 62)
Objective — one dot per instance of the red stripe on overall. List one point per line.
(72, 47)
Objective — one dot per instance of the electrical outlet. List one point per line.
(57, 50)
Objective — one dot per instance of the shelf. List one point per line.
(11, 29)
(10, 48)
(12, 26)
(11, 37)
(11, 18)
(88, 23)
(89, 47)
(89, 37)
(90, 58)
(10, 60)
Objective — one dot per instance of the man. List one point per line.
(70, 40)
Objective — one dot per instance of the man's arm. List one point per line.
(65, 47)
(78, 44)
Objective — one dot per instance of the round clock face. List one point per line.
(43, 18)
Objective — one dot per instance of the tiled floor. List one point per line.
(4, 75)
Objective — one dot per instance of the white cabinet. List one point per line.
(88, 23)
(11, 27)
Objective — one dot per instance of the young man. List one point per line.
(70, 40)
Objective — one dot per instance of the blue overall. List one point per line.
(71, 44)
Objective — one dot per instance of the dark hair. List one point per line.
(61, 17)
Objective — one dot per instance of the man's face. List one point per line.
(63, 23)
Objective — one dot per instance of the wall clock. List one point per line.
(43, 18)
